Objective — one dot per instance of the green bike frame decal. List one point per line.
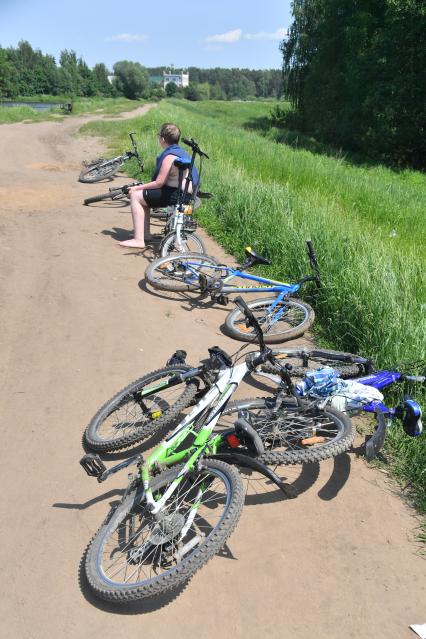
(151, 389)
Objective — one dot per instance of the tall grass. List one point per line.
(367, 224)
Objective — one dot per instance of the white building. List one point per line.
(180, 79)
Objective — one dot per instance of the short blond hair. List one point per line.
(170, 133)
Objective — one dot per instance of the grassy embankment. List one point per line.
(103, 106)
(367, 224)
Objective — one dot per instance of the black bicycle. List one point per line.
(101, 168)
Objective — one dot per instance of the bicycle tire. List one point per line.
(290, 436)
(317, 358)
(160, 214)
(139, 420)
(167, 273)
(99, 171)
(292, 323)
(168, 244)
(133, 541)
(112, 195)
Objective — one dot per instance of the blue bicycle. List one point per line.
(303, 362)
(281, 317)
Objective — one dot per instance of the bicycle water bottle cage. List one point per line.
(218, 358)
(254, 258)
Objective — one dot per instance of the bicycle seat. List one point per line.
(254, 257)
(182, 164)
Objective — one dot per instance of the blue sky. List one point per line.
(203, 33)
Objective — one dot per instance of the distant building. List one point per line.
(180, 79)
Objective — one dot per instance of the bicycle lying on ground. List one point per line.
(348, 366)
(186, 499)
(281, 317)
(100, 168)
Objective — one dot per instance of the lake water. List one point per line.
(40, 106)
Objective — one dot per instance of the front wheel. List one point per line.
(190, 243)
(293, 434)
(181, 272)
(140, 409)
(279, 321)
(137, 555)
(99, 171)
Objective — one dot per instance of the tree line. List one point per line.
(355, 73)
(25, 71)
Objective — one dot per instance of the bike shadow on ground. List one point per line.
(190, 301)
(109, 204)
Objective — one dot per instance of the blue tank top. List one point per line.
(177, 150)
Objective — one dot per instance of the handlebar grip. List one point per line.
(194, 146)
(415, 378)
(311, 252)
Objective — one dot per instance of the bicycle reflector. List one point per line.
(412, 418)
(233, 440)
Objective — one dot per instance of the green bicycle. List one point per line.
(185, 500)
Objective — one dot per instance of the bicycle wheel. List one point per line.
(140, 409)
(99, 171)
(112, 195)
(181, 272)
(303, 361)
(160, 214)
(287, 320)
(294, 435)
(136, 555)
(191, 243)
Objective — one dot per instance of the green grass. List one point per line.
(101, 106)
(367, 223)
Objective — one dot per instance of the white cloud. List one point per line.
(128, 37)
(279, 34)
(229, 36)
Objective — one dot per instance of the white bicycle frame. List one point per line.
(217, 397)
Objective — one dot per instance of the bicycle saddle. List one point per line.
(254, 257)
(182, 164)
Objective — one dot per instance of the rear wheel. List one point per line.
(137, 555)
(191, 243)
(140, 409)
(112, 195)
(305, 360)
(181, 272)
(293, 434)
(99, 171)
(286, 320)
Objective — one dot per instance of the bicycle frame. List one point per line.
(216, 398)
(275, 287)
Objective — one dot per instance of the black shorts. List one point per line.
(160, 197)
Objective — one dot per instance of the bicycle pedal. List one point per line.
(93, 465)
(223, 300)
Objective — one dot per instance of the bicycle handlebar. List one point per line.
(194, 146)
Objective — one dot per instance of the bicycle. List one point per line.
(100, 168)
(171, 522)
(361, 370)
(281, 317)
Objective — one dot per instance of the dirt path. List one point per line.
(338, 562)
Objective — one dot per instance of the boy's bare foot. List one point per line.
(133, 243)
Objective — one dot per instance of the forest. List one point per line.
(25, 71)
(355, 74)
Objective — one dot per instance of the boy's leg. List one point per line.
(141, 219)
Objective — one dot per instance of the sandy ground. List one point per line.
(340, 561)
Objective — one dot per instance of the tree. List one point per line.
(131, 79)
(8, 76)
(100, 80)
(170, 89)
(191, 92)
